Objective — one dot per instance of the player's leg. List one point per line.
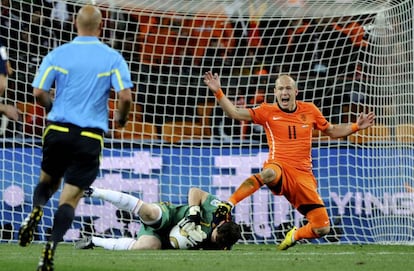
(42, 193)
(143, 242)
(148, 213)
(270, 175)
(309, 203)
(46, 187)
(64, 215)
(106, 243)
(120, 200)
(49, 181)
(81, 158)
(147, 238)
(156, 219)
(63, 218)
(146, 242)
(254, 182)
(44, 190)
(318, 225)
(247, 188)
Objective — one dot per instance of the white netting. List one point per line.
(347, 56)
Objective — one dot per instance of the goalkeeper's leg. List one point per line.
(113, 243)
(143, 242)
(121, 200)
(148, 213)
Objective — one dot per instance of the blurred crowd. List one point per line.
(168, 54)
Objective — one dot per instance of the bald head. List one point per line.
(286, 92)
(286, 79)
(88, 21)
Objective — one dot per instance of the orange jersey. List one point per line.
(289, 135)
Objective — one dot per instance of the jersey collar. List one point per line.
(86, 39)
(288, 111)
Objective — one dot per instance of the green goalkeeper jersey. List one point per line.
(172, 214)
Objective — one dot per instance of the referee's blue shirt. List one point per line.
(83, 71)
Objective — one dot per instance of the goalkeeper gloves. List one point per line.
(196, 235)
(191, 225)
(192, 220)
(223, 212)
(194, 214)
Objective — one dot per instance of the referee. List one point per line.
(83, 72)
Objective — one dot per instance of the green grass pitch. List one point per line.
(306, 257)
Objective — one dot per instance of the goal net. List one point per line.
(347, 56)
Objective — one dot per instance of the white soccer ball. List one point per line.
(178, 238)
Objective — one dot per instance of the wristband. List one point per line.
(354, 127)
(219, 94)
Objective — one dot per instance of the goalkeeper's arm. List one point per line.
(196, 197)
(191, 223)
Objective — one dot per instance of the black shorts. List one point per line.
(72, 152)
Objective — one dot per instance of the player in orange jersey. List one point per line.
(288, 170)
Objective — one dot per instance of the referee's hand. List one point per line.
(120, 122)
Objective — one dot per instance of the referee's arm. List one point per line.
(124, 105)
(43, 98)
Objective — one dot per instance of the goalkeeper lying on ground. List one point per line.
(208, 226)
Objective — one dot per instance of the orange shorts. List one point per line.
(298, 186)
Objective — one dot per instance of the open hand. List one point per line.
(212, 81)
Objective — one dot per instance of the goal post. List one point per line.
(348, 57)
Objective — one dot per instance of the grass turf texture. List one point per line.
(307, 257)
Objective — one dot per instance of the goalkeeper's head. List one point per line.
(228, 233)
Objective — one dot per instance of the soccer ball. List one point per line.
(178, 238)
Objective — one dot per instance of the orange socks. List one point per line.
(305, 232)
(317, 218)
(247, 188)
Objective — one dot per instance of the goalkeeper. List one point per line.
(206, 228)
(288, 170)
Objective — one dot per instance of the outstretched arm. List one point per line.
(341, 130)
(214, 84)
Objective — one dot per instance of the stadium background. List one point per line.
(171, 144)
